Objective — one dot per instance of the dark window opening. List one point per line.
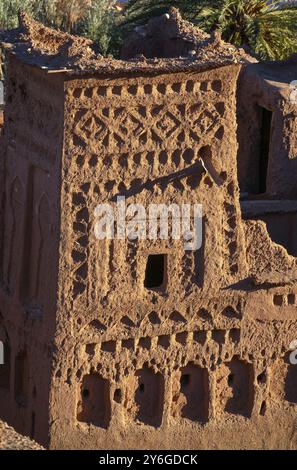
(141, 388)
(86, 393)
(264, 149)
(155, 271)
(118, 395)
(230, 379)
(185, 380)
(261, 378)
(263, 408)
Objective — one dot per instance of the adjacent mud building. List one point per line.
(141, 344)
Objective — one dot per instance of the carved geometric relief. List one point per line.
(37, 241)
(44, 249)
(146, 125)
(13, 233)
(80, 241)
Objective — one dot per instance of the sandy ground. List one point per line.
(11, 440)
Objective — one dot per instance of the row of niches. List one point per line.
(179, 158)
(180, 168)
(283, 300)
(202, 337)
(172, 184)
(192, 393)
(155, 90)
(215, 317)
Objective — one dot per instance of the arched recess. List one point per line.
(149, 397)
(235, 387)
(191, 394)
(290, 385)
(94, 405)
(44, 250)
(13, 233)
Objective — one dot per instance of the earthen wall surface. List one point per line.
(97, 358)
(31, 147)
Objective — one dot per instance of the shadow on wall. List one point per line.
(149, 397)
(94, 406)
(21, 384)
(254, 154)
(267, 120)
(234, 388)
(291, 382)
(194, 387)
(282, 229)
(240, 382)
(229, 390)
(279, 218)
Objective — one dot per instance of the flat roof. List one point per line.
(55, 51)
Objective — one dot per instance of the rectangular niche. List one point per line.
(94, 406)
(149, 397)
(156, 272)
(193, 394)
(264, 149)
(239, 391)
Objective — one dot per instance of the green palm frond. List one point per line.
(140, 11)
(268, 30)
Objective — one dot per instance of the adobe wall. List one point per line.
(268, 86)
(98, 359)
(202, 362)
(30, 160)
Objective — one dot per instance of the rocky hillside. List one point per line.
(11, 440)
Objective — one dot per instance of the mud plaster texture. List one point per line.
(96, 358)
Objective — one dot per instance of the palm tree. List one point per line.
(268, 28)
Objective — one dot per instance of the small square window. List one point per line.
(155, 274)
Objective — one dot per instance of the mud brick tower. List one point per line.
(138, 344)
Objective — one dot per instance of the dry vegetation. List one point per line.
(92, 18)
(268, 29)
